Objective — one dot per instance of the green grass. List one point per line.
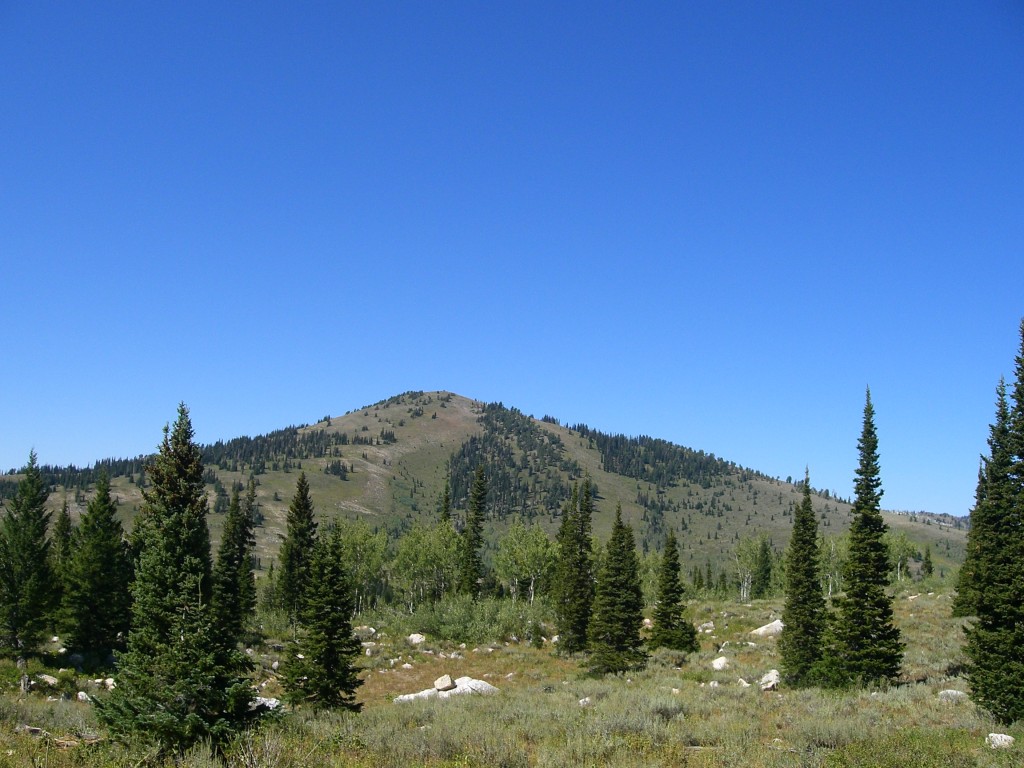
(667, 715)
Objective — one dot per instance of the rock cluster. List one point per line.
(458, 687)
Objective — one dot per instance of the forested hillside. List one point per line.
(387, 464)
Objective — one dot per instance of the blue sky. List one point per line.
(715, 223)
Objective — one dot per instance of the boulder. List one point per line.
(952, 696)
(707, 627)
(999, 740)
(743, 683)
(49, 680)
(462, 686)
(720, 663)
(585, 702)
(444, 683)
(266, 703)
(770, 681)
(416, 639)
(769, 630)
(84, 697)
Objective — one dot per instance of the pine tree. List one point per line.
(321, 671)
(864, 643)
(96, 610)
(179, 683)
(296, 549)
(574, 582)
(234, 585)
(27, 584)
(927, 567)
(618, 606)
(61, 545)
(471, 567)
(761, 578)
(671, 629)
(995, 640)
(804, 615)
(444, 511)
(979, 535)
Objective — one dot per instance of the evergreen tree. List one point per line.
(471, 567)
(234, 584)
(927, 567)
(671, 629)
(296, 549)
(445, 508)
(27, 584)
(979, 535)
(864, 643)
(574, 582)
(61, 545)
(761, 578)
(618, 606)
(180, 682)
(321, 670)
(995, 640)
(96, 610)
(804, 615)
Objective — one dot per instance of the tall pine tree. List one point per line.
(574, 580)
(804, 616)
(671, 629)
(995, 640)
(180, 682)
(96, 610)
(234, 584)
(296, 549)
(614, 630)
(27, 583)
(471, 567)
(864, 643)
(321, 671)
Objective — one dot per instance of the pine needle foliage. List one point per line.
(180, 682)
(96, 609)
(863, 644)
(296, 549)
(574, 579)
(804, 615)
(671, 628)
(321, 671)
(614, 630)
(27, 583)
(995, 640)
(471, 566)
(234, 584)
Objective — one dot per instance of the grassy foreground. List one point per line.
(671, 714)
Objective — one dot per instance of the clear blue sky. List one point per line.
(711, 222)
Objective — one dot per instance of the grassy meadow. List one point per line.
(677, 712)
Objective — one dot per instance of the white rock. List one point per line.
(769, 630)
(444, 683)
(109, 683)
(267, 702)
(952, 695)
(407, 665)
(275, 666)
(676, 691)
(707, 627)
(720, 663)
(713, 684)
(585, 702)
(48, 679)
(999, 740)
(770, 681)
(648, 623)
(427, 694)
(416, 639)
(743, 683)
(83, 696)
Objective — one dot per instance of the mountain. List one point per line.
(387, 464)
